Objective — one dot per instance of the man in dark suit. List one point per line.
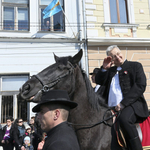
(53, 111)
(125, 83)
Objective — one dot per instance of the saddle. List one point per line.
(143, 131)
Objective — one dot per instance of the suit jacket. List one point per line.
(16, 135)
(132, 82)
(61, 137)
(11, 133)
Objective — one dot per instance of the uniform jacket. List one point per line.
(61, 137)
(132, 82)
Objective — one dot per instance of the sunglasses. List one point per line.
(20, 121)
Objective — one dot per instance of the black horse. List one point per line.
(67, 75)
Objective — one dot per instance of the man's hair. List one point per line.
(63, 109)
(33, 117)
(65, 114)
(110, 48)
(10, 118)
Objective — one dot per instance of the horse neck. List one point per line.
(80, 94)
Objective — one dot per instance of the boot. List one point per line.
(135, 144)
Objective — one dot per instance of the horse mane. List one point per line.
(96, 100)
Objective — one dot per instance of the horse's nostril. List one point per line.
(25, 92)
(27, 87)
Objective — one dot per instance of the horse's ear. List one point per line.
(56, 57)
(77, 57)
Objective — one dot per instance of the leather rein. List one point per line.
(100, 122)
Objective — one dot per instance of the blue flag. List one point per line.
(52, 9)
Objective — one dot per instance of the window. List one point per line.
(7, 107)
(9, 104)
(15, 15)
(53, 23)
(118, 11)
(117, 18)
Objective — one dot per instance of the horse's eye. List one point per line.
(61, 67)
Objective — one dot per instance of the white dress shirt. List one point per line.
(115, 93)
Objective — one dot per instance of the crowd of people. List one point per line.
(21, 136)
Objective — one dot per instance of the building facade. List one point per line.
(28, 41)
(27, 45)
(124, 23)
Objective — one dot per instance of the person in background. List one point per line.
(32, 124)
(27, 144)
(1, 136)
(33, 137)
(7, 135)
(41, 144)
(125, 83)
(99, 89)
(93, 74)
(19, 133)
(53, 111)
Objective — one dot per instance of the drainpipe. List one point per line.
(83, 34)
(85, 38)
(80, 31)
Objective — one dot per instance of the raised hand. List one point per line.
(107, 63)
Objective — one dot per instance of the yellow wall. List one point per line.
(143, 19)
(141, 14)
(99, 14)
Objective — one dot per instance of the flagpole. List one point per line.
(68, 22)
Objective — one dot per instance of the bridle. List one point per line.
(47, 86)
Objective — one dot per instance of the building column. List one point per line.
(0, 107)
(149, 5)
(15, 106)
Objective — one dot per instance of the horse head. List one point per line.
(57, 76)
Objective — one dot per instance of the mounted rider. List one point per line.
(125, 83)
